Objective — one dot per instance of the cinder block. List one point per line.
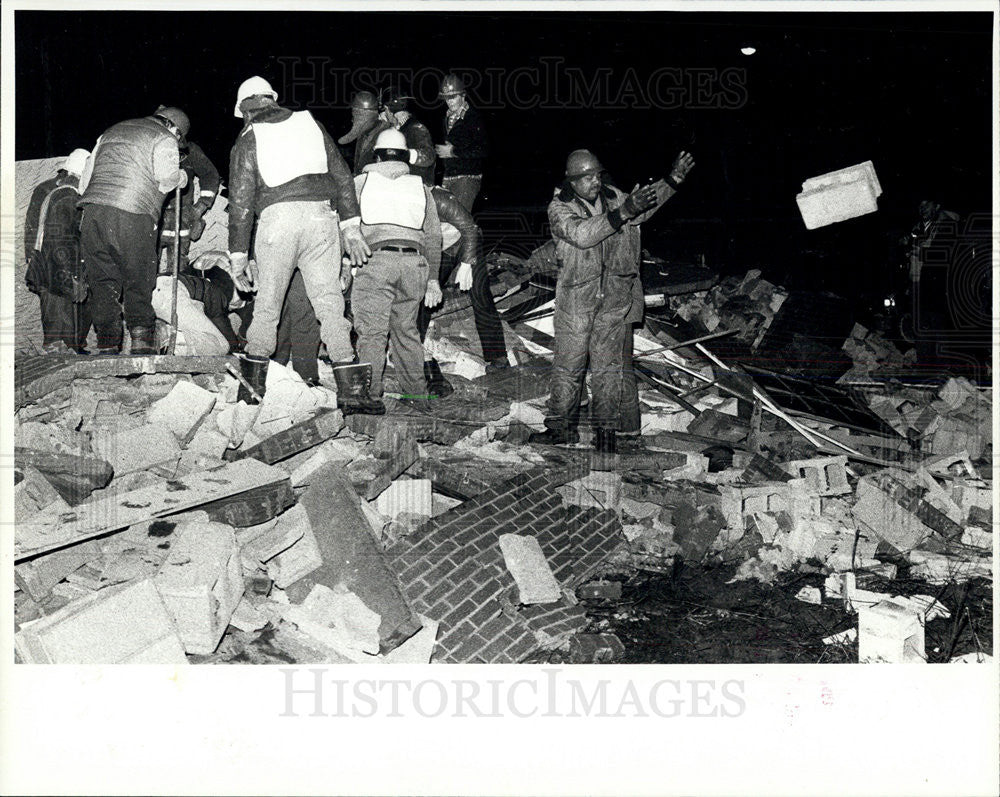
(406, 495)
(740, 500)
(824, 475)
(897, 513)
(201, 583)
(840, 195)
(599, 489)
(183, 409)
(890, 634)
(524, 559)
(958, 465)
(137, 449)
(118, 625)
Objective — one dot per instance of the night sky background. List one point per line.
(909, 91)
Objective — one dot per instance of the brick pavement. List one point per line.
(452, 569)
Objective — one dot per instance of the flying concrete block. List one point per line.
(840, 195)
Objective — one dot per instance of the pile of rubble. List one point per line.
(158, 519)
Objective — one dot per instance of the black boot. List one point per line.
(437, 385)
(555, 437)
(604, 449)
(143, 340)
(353, 383)
(629, 443)
(254, 371)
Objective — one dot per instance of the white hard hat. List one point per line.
(390, 139)
(76, 162)
(252, 87)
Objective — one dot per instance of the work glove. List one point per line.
(209, 260)
(683, 163)
(639, 201)
(355, 245)
(239, 263)
(182, 180)
(78, 289)
(463, 276)
(197, 228)
(432, 296)
(445, 150)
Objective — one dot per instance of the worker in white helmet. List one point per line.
(52, 253)
(287, 173)
(400, 220)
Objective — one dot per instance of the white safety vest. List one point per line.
(289, 149)
(400, 201)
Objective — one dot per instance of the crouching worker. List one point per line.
(400, 221)
(596, 232)
(286, 172)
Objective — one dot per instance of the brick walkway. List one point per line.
(452, 569)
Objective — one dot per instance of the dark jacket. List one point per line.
(468, 137)
(56, 266)
(126, 173)
(452, 211)
(41, 191)
(418, 137)
(249, 194)
(196, 163)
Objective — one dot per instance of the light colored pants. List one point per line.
(385, 298)
(306, 236)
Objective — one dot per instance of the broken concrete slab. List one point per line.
(600, 489)
(118, 625)
(898, 514)
(74, 477)
(940, 568)
(51, 530)
(34, 493)
(531, 572)
(38, 576)
(300, 558)
(351, 555)
(183, 409)
(201, 583)
(824, 475)
(339, 619)
(406, 495)
(137, 449)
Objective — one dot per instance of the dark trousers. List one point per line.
(64, 320)
(298, 332)
(119, 259)
(488, 324)
(630, 420)
(465, 187)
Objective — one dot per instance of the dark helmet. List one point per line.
(451, 86)
(394, 98)
(582, 162)
(364, 101)
(176, 117)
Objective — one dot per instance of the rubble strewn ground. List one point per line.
(160, 520)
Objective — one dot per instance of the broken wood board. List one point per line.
(304, 435)
(49, 531)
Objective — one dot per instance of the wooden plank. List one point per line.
(300, 437)
(52, 530)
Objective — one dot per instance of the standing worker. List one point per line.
(399, 218)
(286, 172)
(464, 148)
(195, 163)
(135, 164)
(365, 127)
(395, 111)
(598, 249)
(52, 254)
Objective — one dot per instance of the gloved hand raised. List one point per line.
(683, 163)
(639, 201)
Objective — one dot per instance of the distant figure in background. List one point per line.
(596, 229)
(395, 111)
(52, 254)
(196, 163)
(464, 148)
(365, 127)
(135, 165)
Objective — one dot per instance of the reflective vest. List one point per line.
(401, 202)
(289, 149)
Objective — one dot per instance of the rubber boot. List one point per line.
(437, 385)
(555, 437)
(143, 340)
(353, 382)
(629, 443)
(605, 449)
(254, 370)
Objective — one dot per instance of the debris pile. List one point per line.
(159, 519)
